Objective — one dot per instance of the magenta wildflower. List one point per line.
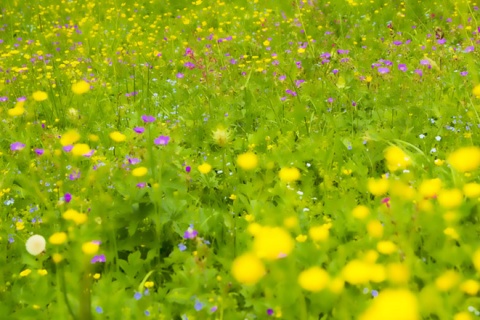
(17, 146)
(189, 65)
(67, 197)
(402, 67)
(335, 71)
(190, 233)
(68, 148)
(188, 169)
(270, 312)
(425, 62)
(298, 83)
(383, 70)
(148, 119)
(98, 258)
(386, 201)
(290, 92)
(282, 77)
(330, 100)
(141, 185)
(441, 41)
(139, 130)
(179, 75)
(3, 99)
(397, 42)
(463, 73)
(74, 175)
(419, 72)
(39, 152)
(469, 49)
(162, 140)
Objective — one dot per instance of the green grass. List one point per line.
(300, 85)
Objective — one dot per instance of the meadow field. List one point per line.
(244, 159)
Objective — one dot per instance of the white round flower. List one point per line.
(35, 244)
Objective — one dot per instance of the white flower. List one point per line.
(35, 244)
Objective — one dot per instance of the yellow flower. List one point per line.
(25, 272)
(476, 260)
(80, 218)
(398, 273)
(80, 149)
(80, 87)
(204, 168)
(360, 212)
(139, 172)
(149, 284)
(386, 247)
(465, 159)
(289, 174)
(357, 272)
(58, 238)
(314, 279)
(117, 136)
(90, 248)
(17, 110)
(451, 232)
(393, 304)
(430, 188)
(42, 272)
(396, 158)
(20, 225)
(69, 138)
(247, 161)
(447, 280)
(462, 316)
(476, 91)
(40, 96)
(96, 276)
(301, 238)
(272, 243)
(377, 187)
(375, 229)
(301, 50)
(248, 269)
(319, 233)
(470, 287)
(450, 199)
(471, 190)
(57, 257)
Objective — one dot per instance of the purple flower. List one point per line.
(39, 152)
(330, 100)
(335, 71)
(139, 130)
(290, 92)
(270, 312)
(189, 65)
(3, 99)
(282, 78)
(441, 41)
(298, 83)
(179, 75)
(67, 197)
(148, 119)
(397, 42)
(68, 148)
(383, 70)
(137, 296)
(188, 169)
(198, 305)
(74, 175)
(98, 259)
(213, 309)
(469, 49)
(162, 140)
(190, 233)
(133, 160)
(419, 72)
(374, 293)
(402, 67)
(141, 185)
(425, 62)
(463, 73)
(17, 146)
(182, 247)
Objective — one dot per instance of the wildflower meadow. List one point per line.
(244, 159)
